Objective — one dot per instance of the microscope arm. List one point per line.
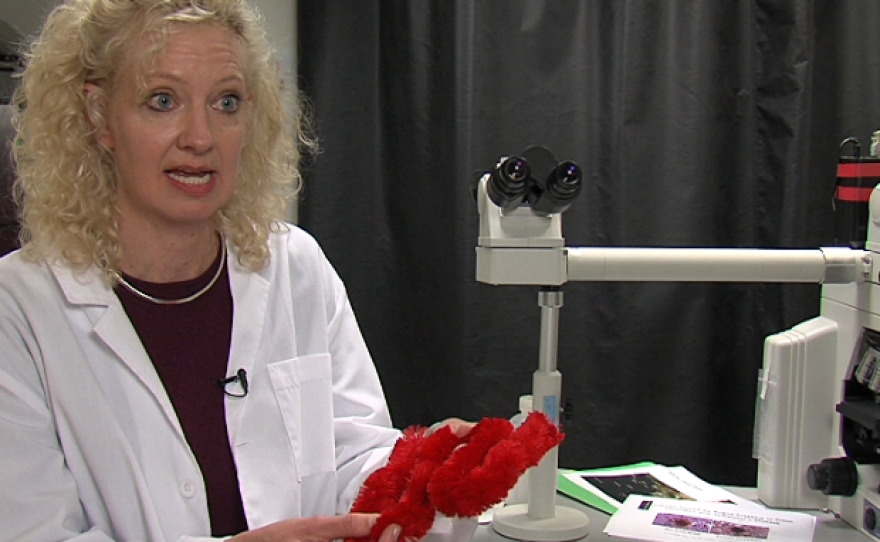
(826, 266)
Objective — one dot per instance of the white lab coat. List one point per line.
(90, 446)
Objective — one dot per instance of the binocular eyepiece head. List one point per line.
(513, 182)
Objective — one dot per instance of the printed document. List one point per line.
(674, 520)
(606, 489)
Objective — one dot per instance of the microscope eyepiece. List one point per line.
(509, 183)
(559, 190)
(567, 174)
(515, 169)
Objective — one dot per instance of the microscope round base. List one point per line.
(567, 524)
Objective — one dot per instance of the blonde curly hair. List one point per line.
(66, 181)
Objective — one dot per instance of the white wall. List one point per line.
(280, 22)
(25, 16)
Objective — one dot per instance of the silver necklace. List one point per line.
(159, 301)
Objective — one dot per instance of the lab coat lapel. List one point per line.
(260, 442)
(250, 293)
(112, 326)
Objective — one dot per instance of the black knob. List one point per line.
(836, 476)
(870, 520)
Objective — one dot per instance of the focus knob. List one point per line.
(837, 476)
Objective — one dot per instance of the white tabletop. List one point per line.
(828, 527)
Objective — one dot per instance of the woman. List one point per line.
(176, 363)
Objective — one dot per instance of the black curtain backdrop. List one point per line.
(697, 124)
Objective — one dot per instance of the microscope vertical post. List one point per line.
(546, 390)
(542, 519)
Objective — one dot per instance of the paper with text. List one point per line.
(672, 520)
(613, 486)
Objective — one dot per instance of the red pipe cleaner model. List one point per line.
(456, 476)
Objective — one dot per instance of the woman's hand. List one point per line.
(459, 427)
(319, 529)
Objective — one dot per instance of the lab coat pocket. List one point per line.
(303, 390)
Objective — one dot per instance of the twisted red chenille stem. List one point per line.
(481, 474)
(456, 476)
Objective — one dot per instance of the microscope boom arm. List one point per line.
(827, 265)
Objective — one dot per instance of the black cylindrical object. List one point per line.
(834, 476)
(856, 178)
(509, 183)
(560, 189)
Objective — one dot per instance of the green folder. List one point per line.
(570, 489)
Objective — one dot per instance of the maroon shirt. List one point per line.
(189, 346)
